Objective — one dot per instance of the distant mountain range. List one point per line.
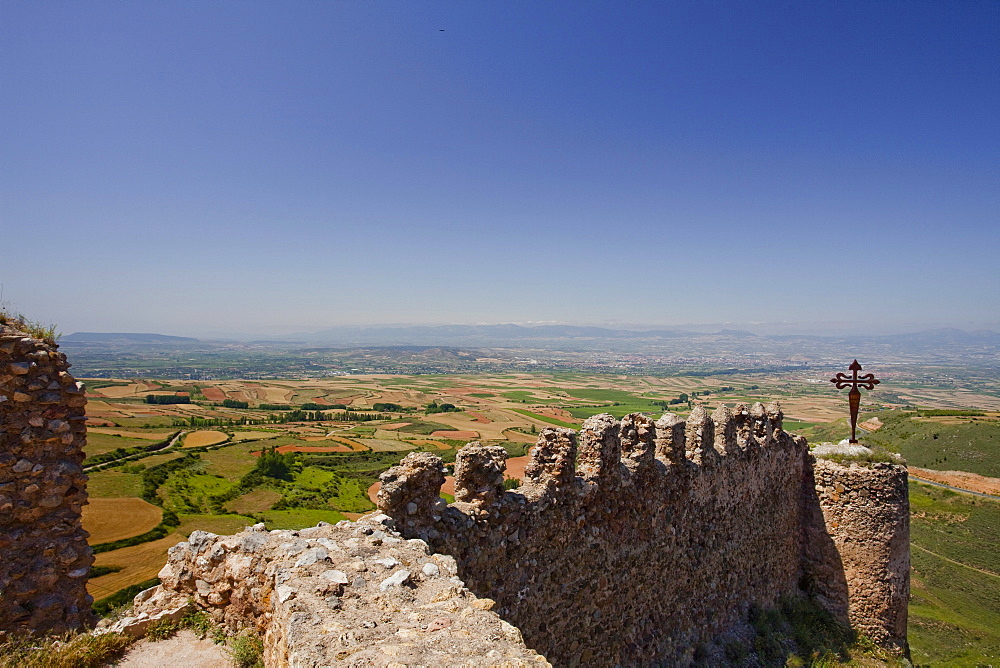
(505, 335)
(104, 337)
(475, 348)
(126, 337)
(500, 334)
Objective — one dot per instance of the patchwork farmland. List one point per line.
(293, 453)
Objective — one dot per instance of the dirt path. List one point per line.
(962, 481)
(957, 563)
(184, 649)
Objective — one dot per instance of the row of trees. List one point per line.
(167, 399)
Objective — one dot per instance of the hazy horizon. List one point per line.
(232, 169)
(758, 328)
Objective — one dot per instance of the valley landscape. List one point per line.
(292, 452)
(255, 255)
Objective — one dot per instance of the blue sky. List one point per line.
(249, 167)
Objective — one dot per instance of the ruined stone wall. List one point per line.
(858, 547)
(355, 594)
(45, 556)
(630, 543)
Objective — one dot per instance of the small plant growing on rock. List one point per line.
(162, 629)
(67, 651)
(247, 650)
(204, 626)
(46, 333)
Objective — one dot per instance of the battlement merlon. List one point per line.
(637, 436)
(479, 473)
(552, 462)
(410, 490)
(699, 438)
(599, 456)
(606, 451)
(670, 439)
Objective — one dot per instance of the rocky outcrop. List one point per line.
(46, 559)
(354, 594)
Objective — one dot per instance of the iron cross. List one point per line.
(866, 381)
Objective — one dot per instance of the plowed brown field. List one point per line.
(114, 519)
(213, 394)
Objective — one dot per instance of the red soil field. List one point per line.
(213, 394)
(479, 417)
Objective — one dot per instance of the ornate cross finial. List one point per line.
(866, 381)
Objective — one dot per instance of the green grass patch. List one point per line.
(223, 525)
(313, 477)
(619, 396)
(527, 397)
(621, 410)
(99, 444)
(256, 501)
(298, 518)
(424, 427)
(972, 446)
(98, 571)
(151, 421)
(114, 484)
(481, 395)
(954, 612)
(234, 461)
(352, 496)
(824, 432)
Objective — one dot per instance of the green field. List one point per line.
(299, 518)
(973, 444)
(954, 616)
(423, 427)
(527, 397)
(98, 444)
(113, 484)
(548, 419)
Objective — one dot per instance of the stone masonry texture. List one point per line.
(636, 542)
(354, 594)
(46, 558)
(865, 553)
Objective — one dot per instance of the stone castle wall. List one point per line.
(355, 594)
(631, 543)
(636, 542)
(45, 556)
(858, 555)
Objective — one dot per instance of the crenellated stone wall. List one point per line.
(354, 594)
(46, 558)
(636, 542)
